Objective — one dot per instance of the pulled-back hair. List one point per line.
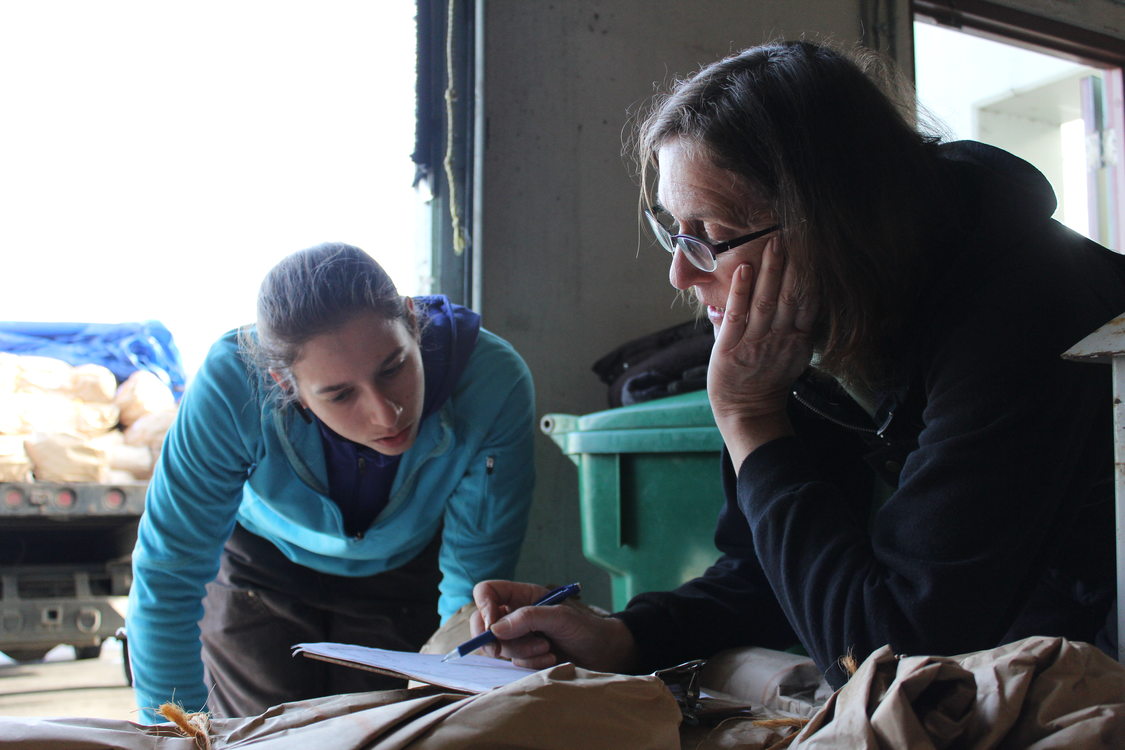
(311, 292)
(837, 158)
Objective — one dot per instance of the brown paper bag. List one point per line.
(93, 384)
(15, 466)
(95, 419)
(559, 708)
(142, 393)
(149, 430)
(35, 374)
(40, 412)
(1039, 693)
(66, 458)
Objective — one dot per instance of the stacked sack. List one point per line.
(61, 423)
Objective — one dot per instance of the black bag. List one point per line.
(664, 363)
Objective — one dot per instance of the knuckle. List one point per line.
(766, 305)
(791, 299)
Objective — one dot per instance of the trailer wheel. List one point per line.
(87, 652)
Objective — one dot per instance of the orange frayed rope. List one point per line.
(196, 726)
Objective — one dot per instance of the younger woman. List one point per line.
(348, 468)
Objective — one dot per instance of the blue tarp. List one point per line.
(123, 348)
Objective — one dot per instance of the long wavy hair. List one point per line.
(828, 139)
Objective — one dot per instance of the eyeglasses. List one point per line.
(701, 253)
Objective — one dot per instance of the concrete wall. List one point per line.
(564, 271)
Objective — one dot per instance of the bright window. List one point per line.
(1029, 103)
(157, 158)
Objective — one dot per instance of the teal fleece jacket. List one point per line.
(232, 456)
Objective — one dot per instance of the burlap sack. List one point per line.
(15, 465)
(1036, 694)
(9, 372)
(93, 384)
(95, 419)
(557, 709)
(149, 430)
(36, 374)
(41, 412)
(66, 458)
(142, 393)
(135, 461)
(45, 395)
(11, 416)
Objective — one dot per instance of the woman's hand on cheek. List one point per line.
(761, 348)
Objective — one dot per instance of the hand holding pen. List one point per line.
(562, 593)
(542, 636)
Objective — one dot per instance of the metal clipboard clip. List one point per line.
(683, 682)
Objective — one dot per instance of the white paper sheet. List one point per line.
(470, 674)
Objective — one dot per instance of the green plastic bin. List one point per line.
(649, 487)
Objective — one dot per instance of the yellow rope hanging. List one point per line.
(455, 224)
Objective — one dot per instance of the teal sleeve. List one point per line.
(189, 514)
(485, 520)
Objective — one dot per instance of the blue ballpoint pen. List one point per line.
(560, 594)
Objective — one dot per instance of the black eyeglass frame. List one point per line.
(671, 242)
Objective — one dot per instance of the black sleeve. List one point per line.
(730, 605)
(1013, 443)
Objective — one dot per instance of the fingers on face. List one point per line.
(776, 305)
(806, 314)
(738, 302)
(789, 303)
(767, 287)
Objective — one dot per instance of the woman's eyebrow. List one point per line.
(330, 388)
(390, 358)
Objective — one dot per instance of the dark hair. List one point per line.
(311, 292)
(838, 160)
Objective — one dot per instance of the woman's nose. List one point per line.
(683, 274)
(385, 411)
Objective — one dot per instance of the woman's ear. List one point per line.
(283, 382)
(411, 315)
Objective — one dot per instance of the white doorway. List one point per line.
(1053, 112)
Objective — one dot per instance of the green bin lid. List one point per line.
(676, 424)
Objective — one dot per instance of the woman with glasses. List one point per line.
(349, 468)
(908, 460)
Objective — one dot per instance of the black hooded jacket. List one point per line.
(976, 508)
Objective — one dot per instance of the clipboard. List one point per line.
(471, 674)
